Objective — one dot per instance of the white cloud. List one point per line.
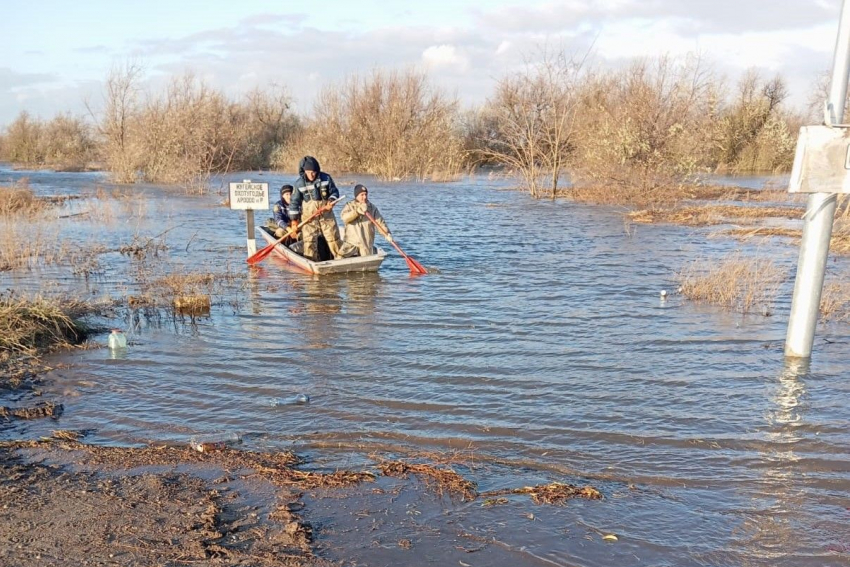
(445, 57)
(504, 47)
(793, 38)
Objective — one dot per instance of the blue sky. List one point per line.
(54, 55)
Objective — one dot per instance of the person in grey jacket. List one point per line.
(359, 230)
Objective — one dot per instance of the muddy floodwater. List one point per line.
(539, 350)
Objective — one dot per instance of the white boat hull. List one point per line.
(356, 264)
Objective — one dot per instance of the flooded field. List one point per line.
(539, 350)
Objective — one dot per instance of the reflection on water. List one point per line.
(546, 356)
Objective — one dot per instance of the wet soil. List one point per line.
(67, 504)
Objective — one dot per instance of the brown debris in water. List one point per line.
(67, 435)
(195, 304)
(553, 493)
(41, 409)
(445, 479)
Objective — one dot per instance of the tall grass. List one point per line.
(29, 325)
(736, 282)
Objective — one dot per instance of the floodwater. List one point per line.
(540, 350)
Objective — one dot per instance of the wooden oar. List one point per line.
(261, 254)
(415, 267)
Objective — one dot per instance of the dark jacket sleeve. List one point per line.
(294, 210)
(281, 214)
(333, 192)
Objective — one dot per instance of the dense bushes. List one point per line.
(393, 125)
(64, 142)
(633, 135)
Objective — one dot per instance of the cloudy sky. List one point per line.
(54, 54)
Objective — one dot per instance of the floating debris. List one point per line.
(554, 493)
(446, 479)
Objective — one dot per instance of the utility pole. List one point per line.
(820, 214)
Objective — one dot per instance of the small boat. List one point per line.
(355, 264)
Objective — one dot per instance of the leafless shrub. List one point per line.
(65, 142)
(754, 133)
(736, 282)
(21, 140)
(529, 123)
(116, 123)
(643, 131)
(390, 124)
(190, 132)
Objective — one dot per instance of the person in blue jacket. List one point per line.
(314, 190)
(281, 222)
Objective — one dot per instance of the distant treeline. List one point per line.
(631, 135)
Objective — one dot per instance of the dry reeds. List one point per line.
(29, 325)
(195, 304)
(736, 282)
(19, 200)
(835, 301)
(705, 215)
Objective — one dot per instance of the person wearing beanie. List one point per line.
(280, 223)
(359, 230)
(313, 190)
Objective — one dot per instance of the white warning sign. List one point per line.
(249, 196)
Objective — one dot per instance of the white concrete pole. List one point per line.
(820, 213)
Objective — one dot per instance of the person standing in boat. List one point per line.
(313, 190)
(281, 221)
(359, 230)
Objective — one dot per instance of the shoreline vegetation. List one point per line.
(637, 136)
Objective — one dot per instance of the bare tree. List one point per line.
(120, 108)
(533, 117)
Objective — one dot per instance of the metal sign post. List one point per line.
(815, 153)
(247, 196)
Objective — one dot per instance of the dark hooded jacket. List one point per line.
(322, 188)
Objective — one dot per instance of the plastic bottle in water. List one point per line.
(298, 399)
(117, 339)
(214, 442)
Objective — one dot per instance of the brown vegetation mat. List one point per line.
(275, 467)
(839, 244)
(705, 215)
(553, 493)
(727, 193)
(445, 480)
(39, 410)
(20, 371)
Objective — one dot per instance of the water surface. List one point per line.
(541, 347)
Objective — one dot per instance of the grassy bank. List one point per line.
(31, 325)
